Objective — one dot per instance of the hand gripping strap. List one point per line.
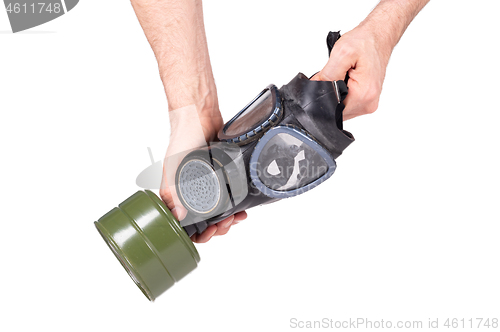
(331, 39)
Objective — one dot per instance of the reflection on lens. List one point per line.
(258, 112)
(287, 163)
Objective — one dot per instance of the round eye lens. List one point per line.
(258, 112)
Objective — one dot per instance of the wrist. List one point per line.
(380, 40)
(389, 20)
(383, 32)
(190, 89)
(200, 115)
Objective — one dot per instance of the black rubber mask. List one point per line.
(282, 144)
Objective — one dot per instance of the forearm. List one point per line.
(390, 18)
(176, 33)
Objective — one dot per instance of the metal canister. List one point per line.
(149, 243)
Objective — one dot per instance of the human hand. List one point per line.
(364, 56)
(191, 129)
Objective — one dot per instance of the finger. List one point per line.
(354, 100)
(179, 212)
(173, 204)
(206, 235)
(240, 216)
(224, 225)
(194, 237)
(165, 193)
(169, 196)
(340, 62)
(221, 231)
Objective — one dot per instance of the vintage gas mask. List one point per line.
(282, 144)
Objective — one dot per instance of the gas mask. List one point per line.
(280, 145)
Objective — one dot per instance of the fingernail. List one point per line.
(229, 222)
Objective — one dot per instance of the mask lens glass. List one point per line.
(260, 115)
(253, 115)
(287, 163)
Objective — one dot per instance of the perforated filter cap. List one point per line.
(199, 186)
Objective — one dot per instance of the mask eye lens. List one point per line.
(252, 116)
(253, 120)
(287, 162)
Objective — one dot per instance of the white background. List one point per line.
(407, 228)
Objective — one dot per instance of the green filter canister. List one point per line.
(149, 243)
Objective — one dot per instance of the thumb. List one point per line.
(168, 192)
(169, 196)
(335, 69)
